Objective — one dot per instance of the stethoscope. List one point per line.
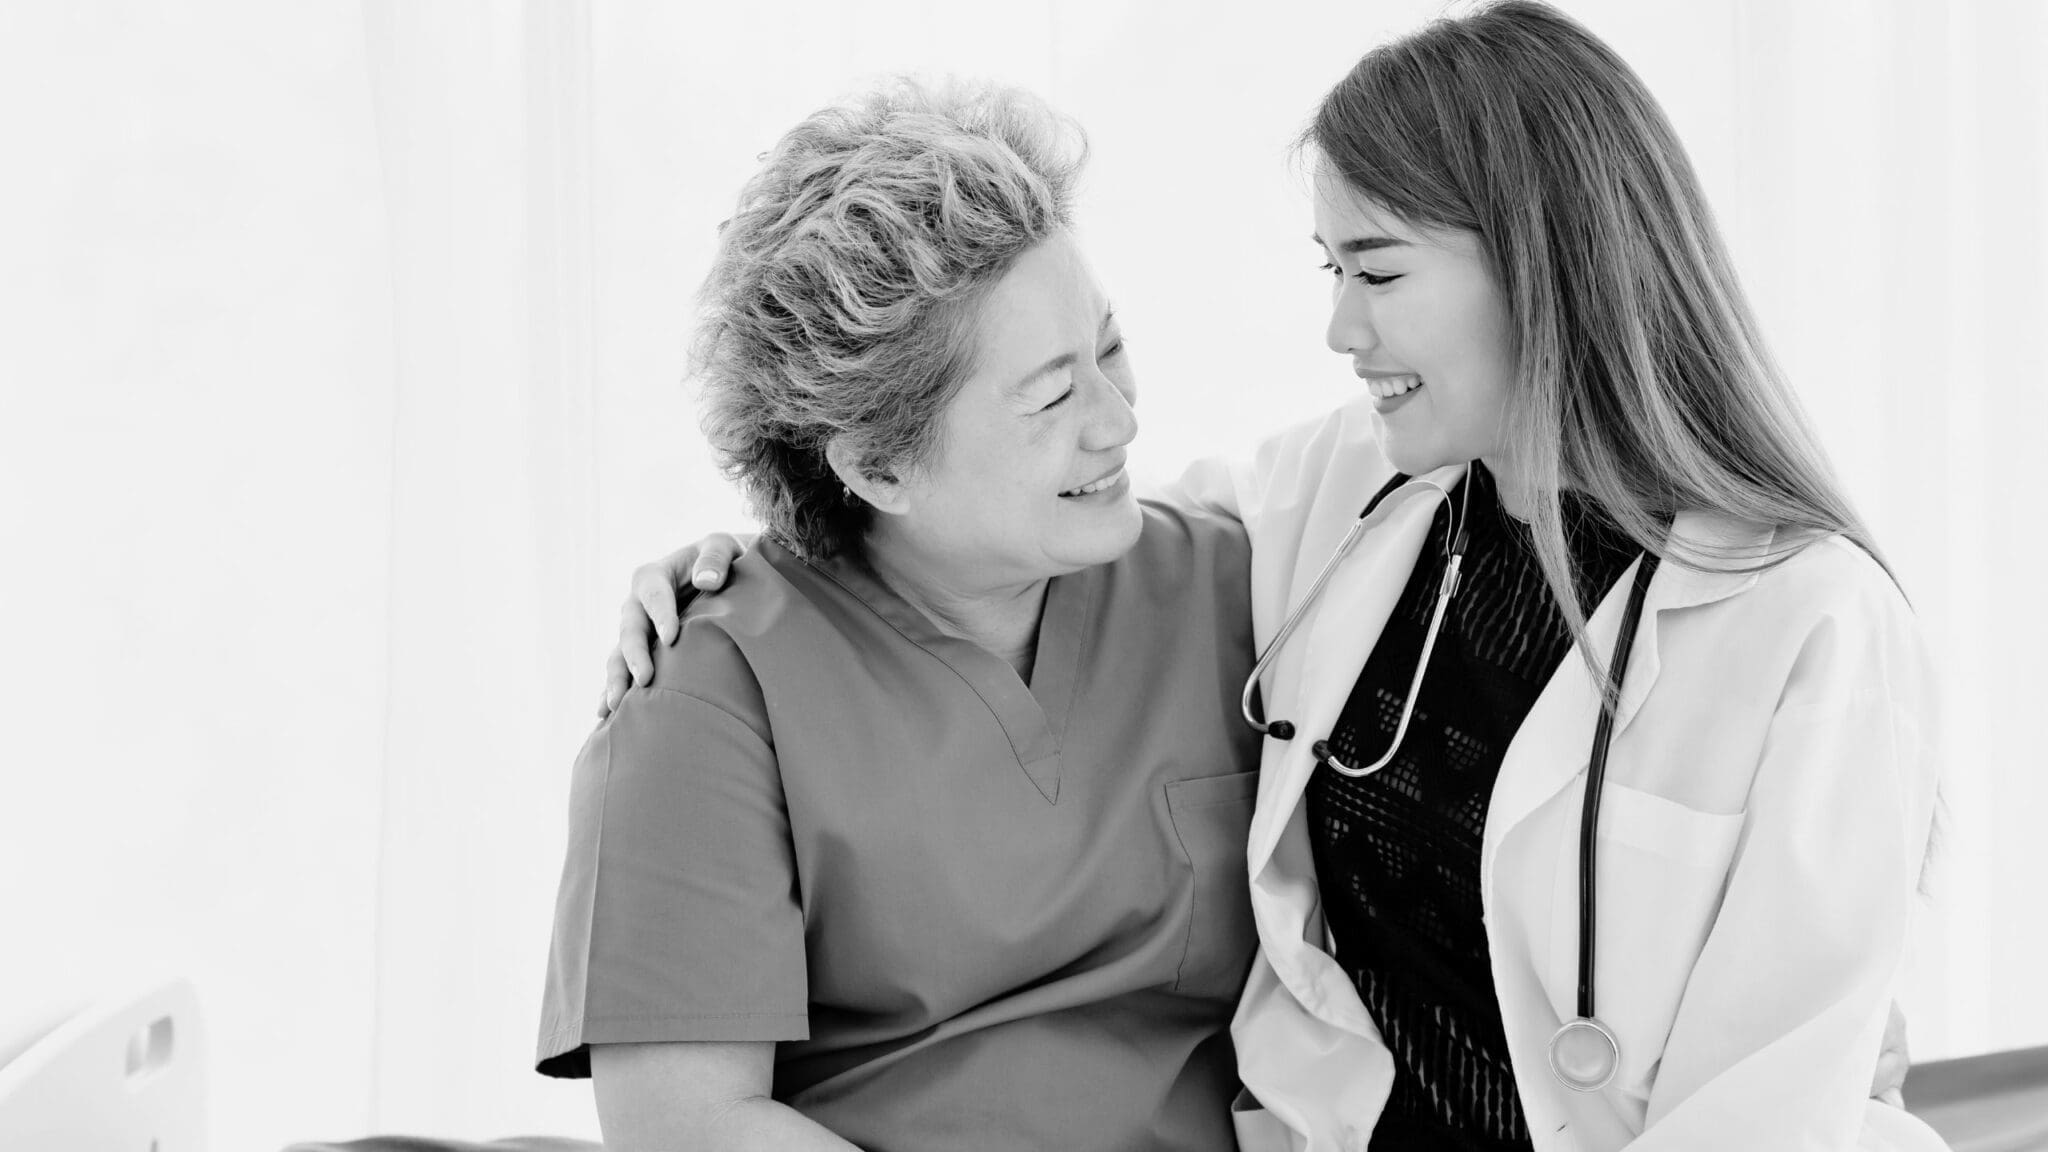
(1584, 1053)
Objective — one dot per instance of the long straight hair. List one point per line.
(1642, 378)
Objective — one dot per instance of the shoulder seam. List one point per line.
(715, 707)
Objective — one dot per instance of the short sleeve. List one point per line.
(678, 916)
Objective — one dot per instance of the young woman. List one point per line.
(1599, 760)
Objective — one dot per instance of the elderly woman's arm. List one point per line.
(708, 1096)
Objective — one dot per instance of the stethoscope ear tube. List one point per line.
(1284, 729)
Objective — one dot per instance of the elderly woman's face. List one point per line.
(1028, 480)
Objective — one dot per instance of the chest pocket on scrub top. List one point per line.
(1212, 819)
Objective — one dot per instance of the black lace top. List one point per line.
(1397, 852)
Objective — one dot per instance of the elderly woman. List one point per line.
(931, 835)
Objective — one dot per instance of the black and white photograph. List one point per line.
(1047, 576)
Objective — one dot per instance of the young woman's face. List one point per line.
(1028, 481)
(1424, 324)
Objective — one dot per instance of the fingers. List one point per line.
(616, 680)
(661, 588)
(633, 652)
(659, 591)
(655, 591)
(1893, 1061)
(715, 554)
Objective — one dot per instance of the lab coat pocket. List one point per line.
(1651, 823)
(1662, 871)
(1212, 819)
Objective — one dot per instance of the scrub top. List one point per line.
(971, 912)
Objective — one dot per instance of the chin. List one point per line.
(1412, 459)
(1115, 533)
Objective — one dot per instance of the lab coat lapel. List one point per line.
(1334, 639)
(1555, 742)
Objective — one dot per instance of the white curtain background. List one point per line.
(196, 555)
(342, 358)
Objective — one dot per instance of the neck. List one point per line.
(1512, 488)
(1000, 617)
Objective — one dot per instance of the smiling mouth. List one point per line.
(1388, 387)
(1094, 486)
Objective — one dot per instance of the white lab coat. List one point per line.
(1769, 797)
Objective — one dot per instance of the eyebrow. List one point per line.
(1064, 359)
(1362, 244)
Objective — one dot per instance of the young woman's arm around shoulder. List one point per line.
(1336, 449)
(698, 1097)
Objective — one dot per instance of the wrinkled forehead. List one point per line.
(1047, 299)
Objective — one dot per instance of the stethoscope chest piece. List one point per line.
(1584, 1055)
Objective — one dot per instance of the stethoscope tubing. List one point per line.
(1284, 729)
(1596, 775)
(1608, 1061)
(1454, 562)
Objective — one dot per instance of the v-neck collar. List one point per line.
(1032, 716)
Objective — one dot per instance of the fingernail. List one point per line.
(704, 578)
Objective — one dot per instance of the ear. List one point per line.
(881, 490)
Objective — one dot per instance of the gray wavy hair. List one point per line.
(843, 298)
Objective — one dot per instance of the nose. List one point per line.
(1114, 421)
(1350, 332)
